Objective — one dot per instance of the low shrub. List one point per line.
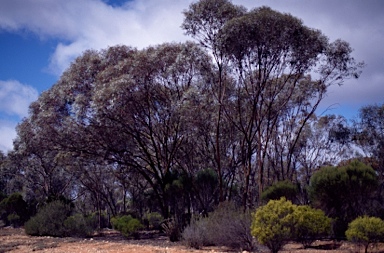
(14, 220)
(365, 230)
(196, 234)
(49, 220)
(273, 224)
(280, 221)
(226, 226)
(127, 225)
(54, 220)
(80, 226)
(310, 224)
(14, 210)
(153, 220)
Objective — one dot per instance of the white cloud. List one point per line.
(16, 97)
(94, 24)
(7, 135)
(81, 25)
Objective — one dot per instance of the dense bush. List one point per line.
(80, 226)
(273, 224)
(54, 220)
(310, 224)
(280, 189)
(344, 192)
(281, 221)
(196, 234)
(14, 210)
(226, 226)
(127, 225)
(153, 220)
(365, 230)
(49, 220)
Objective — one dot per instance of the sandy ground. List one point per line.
(15, 240)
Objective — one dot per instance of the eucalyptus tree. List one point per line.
(44, 177)
(123, 107)
(203, 21)
(281, 70)
(369, 135)
(325, 141)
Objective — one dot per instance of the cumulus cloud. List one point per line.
(7, 135)
(16, 97)
(94, 24)
(80, 25)
(14, 102)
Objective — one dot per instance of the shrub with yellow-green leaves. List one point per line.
(280, 221)
(273, 224)
(365, 230)
(310, 224)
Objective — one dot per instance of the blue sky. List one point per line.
(39, 39)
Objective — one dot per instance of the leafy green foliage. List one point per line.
(365, 230)
(344, 193)
(49, 220)
(14, 210)
(273, 224)
(280, 221)
(153, 220)
(127, 225)
(226, 226)
(280, 189)
(310, 224)
(80, 226)
(127, 123)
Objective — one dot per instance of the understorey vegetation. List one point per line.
(205, 141)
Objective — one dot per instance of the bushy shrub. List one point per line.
(310, 224)
(281, 221)
(80, 226)
(365, 230)
(14, 219)
(226, 226)
(14, 210)
(49, 220)
(153, 220)
(196, 235)
(344, 193)
(273, 224)
(127, 225)
(280, 189)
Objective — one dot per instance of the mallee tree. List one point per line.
(237, 103)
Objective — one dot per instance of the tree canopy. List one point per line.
(157, 129)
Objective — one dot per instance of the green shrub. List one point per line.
(49, 220)
(310, 224)
(14, 207)
(14, 219)
(226, 226)
(365, 230)
(273, 224)
(80, 226)
(127, 225)
(153, 220)
(344, 193)
(280, 189)
(281, 221)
